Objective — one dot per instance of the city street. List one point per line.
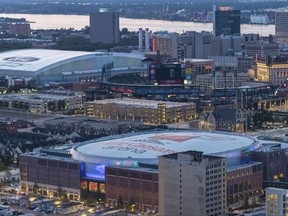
(37, 118)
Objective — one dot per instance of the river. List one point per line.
(43, 21)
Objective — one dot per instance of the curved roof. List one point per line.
(149, 146)
(35, 60)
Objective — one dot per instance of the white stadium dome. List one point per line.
(57, 65)
(129, 150)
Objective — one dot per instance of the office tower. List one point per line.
(276, 201)
(281, 27)
(226, 21)
(191, 183)
(104, 27)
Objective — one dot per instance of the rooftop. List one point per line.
(150, 145)
(269, 147)
(35, 59)
(139, 103)
(34, 97)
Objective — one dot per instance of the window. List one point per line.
(102, 188)
(84, 185)
(93, 186)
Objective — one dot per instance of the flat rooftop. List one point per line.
(139, 103)
(34, 97)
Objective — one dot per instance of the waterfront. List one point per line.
(58, 21)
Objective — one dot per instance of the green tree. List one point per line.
(262, 116)
(8, 175)
(119, 202)
(62, 194)
(36, 188)
(15, 104)
(26, 106)
(21, 105)
(2, 166)
(6, 104)
(246, 201)
(61, 105)
(51, 106)
(91, 202)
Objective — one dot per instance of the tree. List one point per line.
(262, 116)
(62, 194)
(246, 201)
(51, 106)
(6, 104)
(21, 105)
(15, 104)
(61, 105)
(8, 175)
(26, 106)
(2, 166)
(124, 31)
(91, 202)
(36, 188)
(86, 30)
(119, 202)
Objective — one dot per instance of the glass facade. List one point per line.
(227, 22)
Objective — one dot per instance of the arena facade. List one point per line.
(46, 66)
(129, 150)
(81, 169)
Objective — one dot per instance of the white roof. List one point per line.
(35, 59)
(152, 145)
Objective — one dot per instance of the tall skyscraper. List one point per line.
(104, 27)
(226, 21)
(281, 27)
(191, 183)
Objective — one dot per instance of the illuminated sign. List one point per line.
(224, 8)
(188, 70)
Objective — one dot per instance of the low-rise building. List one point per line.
(244, 180)
(223, 80)
(40, 102)
(49, 173)
(273, 158)
(147, 111)
(273, 70)
(128, 185)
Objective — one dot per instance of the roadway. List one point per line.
(37, 118)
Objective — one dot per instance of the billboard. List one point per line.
(168, 73)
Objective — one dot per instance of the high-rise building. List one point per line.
(190, 44)
(226, 21)
(281, 27)
(191, 183)
(104, 27)
(276, 202)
